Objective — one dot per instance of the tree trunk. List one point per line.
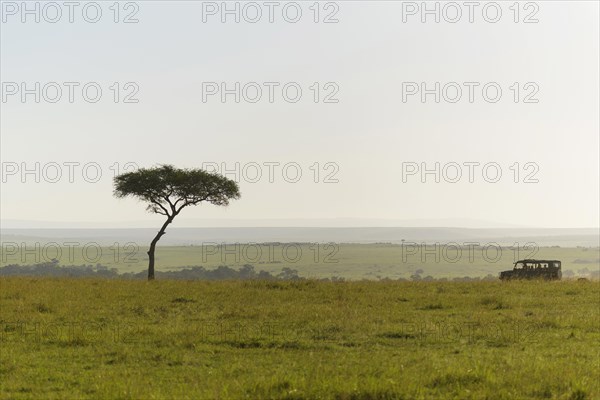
(153, 247)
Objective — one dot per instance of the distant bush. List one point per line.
(53, 269)
(223, 272)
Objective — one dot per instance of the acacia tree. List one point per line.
(168, 190)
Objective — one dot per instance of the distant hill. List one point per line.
(570, 237)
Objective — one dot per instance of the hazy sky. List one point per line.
(370, 61)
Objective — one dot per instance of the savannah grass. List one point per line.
(94, 338)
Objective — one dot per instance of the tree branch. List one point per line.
(165, 212)
(192, 201)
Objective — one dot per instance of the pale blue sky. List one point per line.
(368, 134)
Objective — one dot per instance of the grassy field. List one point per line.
(67, 338)
(350, 261)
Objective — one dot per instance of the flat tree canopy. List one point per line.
(167, 190)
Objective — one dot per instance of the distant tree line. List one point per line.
(53, 269)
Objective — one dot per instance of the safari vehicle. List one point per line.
(534, 269)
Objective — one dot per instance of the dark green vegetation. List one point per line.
(84, 338)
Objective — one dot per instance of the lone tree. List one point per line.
(168, 190)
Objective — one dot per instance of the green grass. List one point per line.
(350, 261)
(66, 338)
